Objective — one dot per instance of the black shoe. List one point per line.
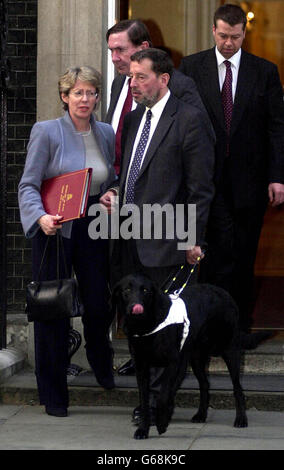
(59, 412)
(136, 416)
(127, 368)
(106, 383)
(73, 369)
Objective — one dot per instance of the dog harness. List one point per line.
(177, 315)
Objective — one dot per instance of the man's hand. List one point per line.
(50, 223)
(108, 200)
(276, 194)
(194, 255)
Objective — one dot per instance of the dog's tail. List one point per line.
(252, 340)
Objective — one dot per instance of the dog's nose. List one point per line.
(137, 309)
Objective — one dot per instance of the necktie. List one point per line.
(227, 97)
(136, 163)
(126, 109)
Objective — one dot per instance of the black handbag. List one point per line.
(56, 299)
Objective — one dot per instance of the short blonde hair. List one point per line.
(84, 73)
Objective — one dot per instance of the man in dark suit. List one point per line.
(125, 38)
(175, 165)
(244, 99)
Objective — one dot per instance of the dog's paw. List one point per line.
(199, 418)
(162, 420)
(141, 434)
(161, 428)
(241, 422)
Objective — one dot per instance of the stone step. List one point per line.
(262, 392)
(268, 358)
(262, 380)
(12, 360)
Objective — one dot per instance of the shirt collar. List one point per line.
(235, 59)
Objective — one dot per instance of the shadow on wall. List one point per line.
(159, 43)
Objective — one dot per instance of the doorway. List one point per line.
(265, 38)
(166, 21)
(168, 25)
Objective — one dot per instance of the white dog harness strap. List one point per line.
(177, 315)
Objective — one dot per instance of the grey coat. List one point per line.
(55, 148)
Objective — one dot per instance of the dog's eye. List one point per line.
(145, 290)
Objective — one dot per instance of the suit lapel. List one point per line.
(135, 120)
(161, 130)
(116, 90)
(247, 78)
(209, 84)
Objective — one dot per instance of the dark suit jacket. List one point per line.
(177, 169)
(256, 139)
(181, 86)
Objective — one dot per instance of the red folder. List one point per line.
(67, 194)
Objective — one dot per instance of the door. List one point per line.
(177, 26)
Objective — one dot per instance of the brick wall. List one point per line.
(21, 51)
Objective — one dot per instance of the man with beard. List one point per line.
(168, 158)
(124, 39)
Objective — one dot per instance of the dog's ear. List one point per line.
(117, 305)
(115, 294)
(161, 303)
(117, 301)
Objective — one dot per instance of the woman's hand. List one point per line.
(49, 224)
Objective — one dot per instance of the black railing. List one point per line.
(4, 79)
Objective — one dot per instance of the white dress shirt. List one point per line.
(235, 65)
(119, 105)
(157, 110)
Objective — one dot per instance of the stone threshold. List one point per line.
(12, 360)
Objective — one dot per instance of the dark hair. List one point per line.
(137, 31)
(161, 61)
(232, 14)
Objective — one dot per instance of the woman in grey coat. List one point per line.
(72, 142)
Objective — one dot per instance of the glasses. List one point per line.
(80, 93)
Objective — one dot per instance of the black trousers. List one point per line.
(232, 237)
(126, 261)
(89, 259)
(129, 263)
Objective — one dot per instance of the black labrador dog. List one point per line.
(213, 331)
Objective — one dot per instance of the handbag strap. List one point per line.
(42, 258)
(59, 243)
(60, 239)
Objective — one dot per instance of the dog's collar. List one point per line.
(177, 315)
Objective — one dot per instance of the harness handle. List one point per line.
(177, 292)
